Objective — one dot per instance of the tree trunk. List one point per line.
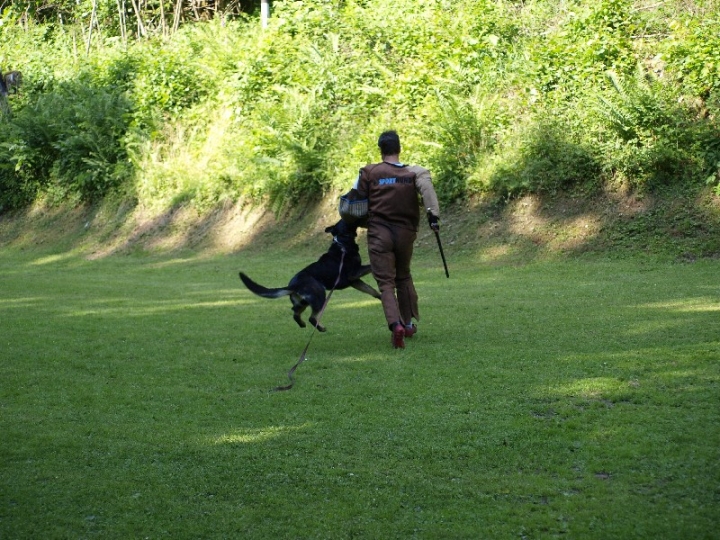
(140, 25)
(121, 15)
(177, 12)
(90, 29)
(162, 18)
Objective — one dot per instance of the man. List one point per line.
(392, 189)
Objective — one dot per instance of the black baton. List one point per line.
(437, 235)
(442, 253)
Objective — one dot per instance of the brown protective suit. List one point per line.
(393, 219)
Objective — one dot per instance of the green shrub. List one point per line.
(167, 81)
(490, 95)
(651, 139)
(693, 55)
(70, 139)
(594, 38)
(463, 133)
(543, 157)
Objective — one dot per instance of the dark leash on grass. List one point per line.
(317, 323)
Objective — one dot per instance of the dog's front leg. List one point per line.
(364, 270)
(361, 286)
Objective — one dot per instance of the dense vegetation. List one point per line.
(497, 96)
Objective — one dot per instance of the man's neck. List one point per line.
(393, 158)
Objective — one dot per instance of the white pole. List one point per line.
(264, 12)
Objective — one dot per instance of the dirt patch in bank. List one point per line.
(686, 227)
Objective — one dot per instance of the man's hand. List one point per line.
(433, 221)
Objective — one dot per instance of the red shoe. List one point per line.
(398, 336)
(410, 330)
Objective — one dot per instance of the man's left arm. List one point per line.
(424, 185)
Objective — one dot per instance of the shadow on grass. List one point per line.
(672, 226)
(682, 225)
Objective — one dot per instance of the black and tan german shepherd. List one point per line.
(308, 286)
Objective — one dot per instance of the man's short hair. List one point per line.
(389, 143)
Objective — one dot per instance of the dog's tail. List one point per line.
(263, 291)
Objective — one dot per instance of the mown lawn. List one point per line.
(574, 399)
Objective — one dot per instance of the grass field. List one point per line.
(573, 399)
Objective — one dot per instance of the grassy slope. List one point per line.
(670, 225)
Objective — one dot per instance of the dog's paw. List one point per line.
(298, 320)
(316, 324)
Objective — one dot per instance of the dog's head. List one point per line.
(343, 233)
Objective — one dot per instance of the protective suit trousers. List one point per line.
(390, 249)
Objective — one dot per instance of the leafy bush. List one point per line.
(652, 140)
(590, 41)
(293, 138)
(167, 80)
(693, 55)
(464, 133)
(491, 95)
(70, 139)
(543, 157)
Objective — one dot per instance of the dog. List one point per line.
(308, 286)
(12, 81)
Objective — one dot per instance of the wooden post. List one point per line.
(264, 12)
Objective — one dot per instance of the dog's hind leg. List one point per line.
(315, 297)
(314, 321)
(298, 306)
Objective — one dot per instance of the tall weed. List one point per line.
(464, 132)
(578, 49)
(692, 52)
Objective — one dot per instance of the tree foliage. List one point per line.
(194, 101)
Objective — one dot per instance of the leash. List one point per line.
(319, 317)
